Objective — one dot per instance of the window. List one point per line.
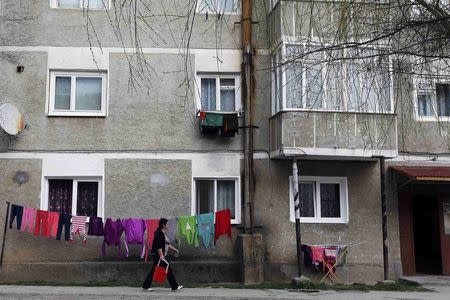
(212, 195)
(322, 200)
(90, 4)
(432, 100)
(220, 93)
(77, 94)
(314, 79)
(75, 196)
(218, 6)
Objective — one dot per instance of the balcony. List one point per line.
(333, 135)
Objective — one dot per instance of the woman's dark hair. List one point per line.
(162, 222)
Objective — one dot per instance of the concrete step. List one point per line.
(207, 271)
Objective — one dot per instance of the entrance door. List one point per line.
(427, 237)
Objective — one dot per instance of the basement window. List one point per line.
(322, 200)
(213, 195)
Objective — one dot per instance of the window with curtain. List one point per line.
(218, 6)
(216, 194)
(60, 195)
(81, 94)
(92, 4)
(322, 200)
(219, 92)
(443, 99)
(75, 196)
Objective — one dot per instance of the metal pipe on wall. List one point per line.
(384, 218)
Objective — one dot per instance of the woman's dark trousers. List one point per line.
(170, 276)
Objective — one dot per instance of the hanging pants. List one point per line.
(28, 219)
(170, 276)
(41, 218)
(52, 224)
(64, 220)
(16, 212)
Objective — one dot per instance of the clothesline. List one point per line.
(47, 223)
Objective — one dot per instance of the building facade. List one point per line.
(137, 110)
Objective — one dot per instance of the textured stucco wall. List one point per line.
(413, 135)
(272, 199)
(155, 189)
(155, 118)
(165, 26)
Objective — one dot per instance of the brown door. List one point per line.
(445, 241)
(406, 233)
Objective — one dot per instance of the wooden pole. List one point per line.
(4, 232)
(298, 234)
(247, 96)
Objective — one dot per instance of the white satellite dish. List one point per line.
(11, 119)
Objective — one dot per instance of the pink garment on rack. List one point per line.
(317, 254)
(28, 219)
(151, 225)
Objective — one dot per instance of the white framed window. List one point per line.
(432, 99)
(77, 94)
(82, 196)
(219, 92)
(218, 7)
(81, 4)
(305, 77)
(215, 194)
(322, 199)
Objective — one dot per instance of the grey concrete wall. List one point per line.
(159, 118)
(413, 135)
(32, 23)
(365, 262)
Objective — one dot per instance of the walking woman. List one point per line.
(160, 246)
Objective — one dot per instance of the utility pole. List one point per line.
(384, 218)
(248, 85)
(298, 234)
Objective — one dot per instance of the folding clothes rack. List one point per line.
(344, 250)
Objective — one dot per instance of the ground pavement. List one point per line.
(439, 286)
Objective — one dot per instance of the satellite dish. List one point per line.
(11, 119)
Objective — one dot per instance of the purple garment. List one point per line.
(112, 233)
(134, 233)
(96, 226)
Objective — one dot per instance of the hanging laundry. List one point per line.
(78, 228)
(41, 222)
(28, 219)
(113, 231)
(64, 221)
(52, 224)
(205, 225)
(95, 226)
(172, 231)
(134, 234)
(16, 212)
(152, 226)
(187, 227)
(223, 224)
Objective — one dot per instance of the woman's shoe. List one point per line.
(178, 288)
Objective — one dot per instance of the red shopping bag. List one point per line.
(160, 273)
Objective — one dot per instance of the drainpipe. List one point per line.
(297, 215)
(248, 95)
(384, 217)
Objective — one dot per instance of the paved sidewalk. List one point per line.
(49, 292)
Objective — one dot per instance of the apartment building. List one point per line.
(135, 109)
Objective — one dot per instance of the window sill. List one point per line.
(219, 112)
(321, 221)
(334, 111)
(77, 114)
(433, 119)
